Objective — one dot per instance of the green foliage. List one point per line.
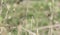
(35, 15)
(14, 31)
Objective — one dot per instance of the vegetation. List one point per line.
(33, 17)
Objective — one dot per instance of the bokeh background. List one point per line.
(29, 17)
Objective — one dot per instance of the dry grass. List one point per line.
(53, 26)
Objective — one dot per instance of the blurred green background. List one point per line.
(30, 15)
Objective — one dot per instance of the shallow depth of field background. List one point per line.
(30, 17)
